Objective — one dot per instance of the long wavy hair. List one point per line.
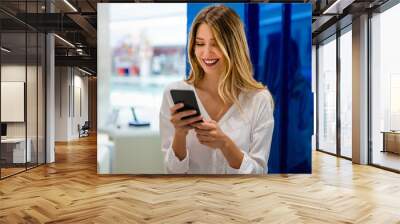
(230, 37)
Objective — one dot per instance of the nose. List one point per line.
(207, 51)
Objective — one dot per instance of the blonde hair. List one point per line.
(230, 36)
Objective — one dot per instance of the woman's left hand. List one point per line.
(209, 134)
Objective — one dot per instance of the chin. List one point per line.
(212, 71)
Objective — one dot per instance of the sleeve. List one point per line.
(256, 160)
(172, 164)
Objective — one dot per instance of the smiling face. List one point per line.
(208, 54)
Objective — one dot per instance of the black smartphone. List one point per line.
(188, 98)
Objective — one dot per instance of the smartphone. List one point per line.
(188, 98)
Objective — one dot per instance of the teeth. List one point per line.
(210, 61)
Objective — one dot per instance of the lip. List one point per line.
(210, 62)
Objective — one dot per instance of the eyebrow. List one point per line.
(199, 38)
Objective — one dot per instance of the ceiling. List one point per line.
(77, 26)
(332, 15)
(76, 22)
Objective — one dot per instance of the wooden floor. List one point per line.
(387, 159)
(70, 191)
(10, 171)
(5, 172)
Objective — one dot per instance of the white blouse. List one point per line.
(251, 131)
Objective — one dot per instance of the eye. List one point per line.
(199, 44)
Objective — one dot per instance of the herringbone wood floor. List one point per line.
(70, 191)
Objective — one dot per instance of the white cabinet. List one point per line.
(18, 149)
(12, 101)
(133, 151)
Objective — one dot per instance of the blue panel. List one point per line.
(279, 37)
(300, 122)
(285, 67)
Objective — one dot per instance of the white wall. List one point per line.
(50, 93)
(103, 65)
(360, 90)
(13, 73)
(33, 126)
(61, 103)
(314, 91)
(71, 94)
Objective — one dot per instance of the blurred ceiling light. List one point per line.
(5, 49)
(65, 41)
(70, 5)
(337, 7)
(79, 51)
(84, 71)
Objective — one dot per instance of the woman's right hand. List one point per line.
(182, 126)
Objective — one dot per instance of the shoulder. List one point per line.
(260, 97)
(263, 105)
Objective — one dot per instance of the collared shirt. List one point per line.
(249, 128)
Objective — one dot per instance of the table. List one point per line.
(130, 150)
(16, 147)
(391, 141)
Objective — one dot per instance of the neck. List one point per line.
(210, 84)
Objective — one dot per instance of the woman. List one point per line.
(237, 111)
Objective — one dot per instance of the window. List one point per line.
(385, 89)
(327, 96)
(145, 58)
(22, 76)
(346, 93)
(22, 65)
